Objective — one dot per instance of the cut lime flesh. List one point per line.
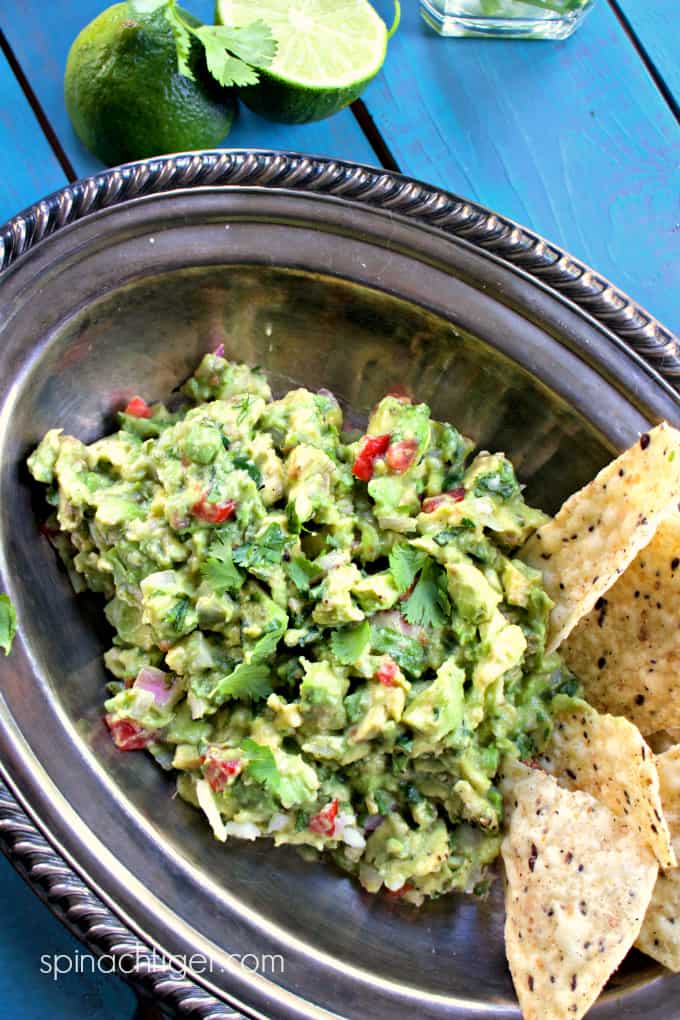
(322, 44)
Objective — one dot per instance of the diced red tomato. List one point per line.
(452, 496)
(218, 772)
(401, 455)
(324, 821)
(138, 408)
(401, 891)
(213, 513)
(371, 448)
(128, 735)
(387, 673)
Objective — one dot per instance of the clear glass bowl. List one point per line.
(505, 19)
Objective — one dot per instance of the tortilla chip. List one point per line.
(626, 651)
(601, 528)
(578, 886)
(660, 935)
(607, 757)
(663, 740)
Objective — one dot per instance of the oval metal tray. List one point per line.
(569, 362)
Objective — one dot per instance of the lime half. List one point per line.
(328, 51)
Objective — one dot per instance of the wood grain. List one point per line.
(28, 167)
(656, 26)
(571, 138)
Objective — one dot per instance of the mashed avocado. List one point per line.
(328, 637)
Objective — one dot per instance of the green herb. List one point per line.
(243, 408)
(267, 551)
(350, 643)
(408, 653)
(301, 572)
(265, 647)
(384, 802)
(428, 604)
(451, 534)
(249, 681)
(405, 562)
(413, 794)
(8, 624)
(232, 54)
(301, 821)
(178, 614)
(261, 765)
(219, 570)
(501, 483)
(245, 464)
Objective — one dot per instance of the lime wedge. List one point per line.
(328, 51)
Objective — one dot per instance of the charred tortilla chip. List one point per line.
(601, 528)
(607, 757)
(578, 886)
(660, 935)
(626, 651)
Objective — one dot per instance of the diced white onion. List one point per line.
(277, 822)
(207, 801)
(242, 830)
(337, 558)
(352, 837)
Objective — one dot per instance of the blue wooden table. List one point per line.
(578, 140)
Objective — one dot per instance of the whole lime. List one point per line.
(124, 93)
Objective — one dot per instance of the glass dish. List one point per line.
(505, 19)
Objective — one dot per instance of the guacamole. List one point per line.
(327, 636)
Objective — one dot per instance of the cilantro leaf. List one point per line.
(405, 562)
(302, 572)
(408, 653)
(266, 551)
(265, 646)
(501, 483)
(245, 464)
(229, 52)
(227, 70)
(253, 43)
(428, 604)
(261, 765)
(8, 624)
(182, 33)
(249, 682)
(178, 614)
(350, 643)
(219, 570)
(451, 534)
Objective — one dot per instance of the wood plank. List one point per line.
(656, 26)
(41, 34)
(570, 138)
(33, 944)
(28, 167)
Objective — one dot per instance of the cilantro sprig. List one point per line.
(232, 54)
(405, 562)
(249, 681)
(428, 604)
(219, 570)
(350, 643)
(8, 624)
